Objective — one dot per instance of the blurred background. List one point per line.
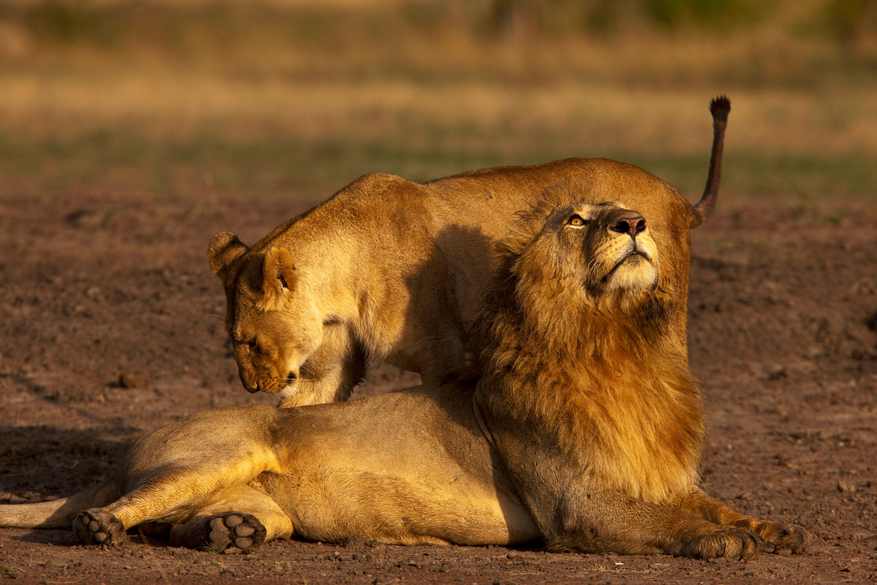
(258, 99)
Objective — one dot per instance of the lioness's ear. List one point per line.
(278, 278)
(224, 248)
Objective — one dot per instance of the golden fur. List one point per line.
(576, 315)
(392, 270)
(585, 431)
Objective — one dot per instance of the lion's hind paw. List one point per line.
(97, 526)
(234, 532)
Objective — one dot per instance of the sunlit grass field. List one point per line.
(296, 99)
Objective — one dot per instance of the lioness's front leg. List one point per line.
(330, 374)
(780, 538)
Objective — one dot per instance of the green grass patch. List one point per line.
(780, 178)
(105, 160)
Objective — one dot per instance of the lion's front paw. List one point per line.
(97, 526)
(730, 543)
(779, 538)
(233, 533)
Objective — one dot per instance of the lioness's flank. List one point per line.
(393, 270)
(585, 432)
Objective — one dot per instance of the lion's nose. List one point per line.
(630, 225)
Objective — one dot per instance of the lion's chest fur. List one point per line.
(617, 428)
(621, 410)
(643, 432)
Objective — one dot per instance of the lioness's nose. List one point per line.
(251, 386)
(630, 225)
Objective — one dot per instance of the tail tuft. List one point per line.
(720, 107)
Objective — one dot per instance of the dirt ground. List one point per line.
(110, 325)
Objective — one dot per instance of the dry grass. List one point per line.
(286, 98)
(579, 116)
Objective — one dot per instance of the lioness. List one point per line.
(393, 270)
(585, 432)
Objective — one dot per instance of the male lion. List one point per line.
(585, 432)
(393, 270)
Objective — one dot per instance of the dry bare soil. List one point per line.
(110, 325)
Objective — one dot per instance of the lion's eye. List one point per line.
(576, 221)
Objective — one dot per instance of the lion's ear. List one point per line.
(224, 248)
(278, 278)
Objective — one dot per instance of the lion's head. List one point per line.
(577, 338)
(597, 265)
(606, 245)
(261, 288)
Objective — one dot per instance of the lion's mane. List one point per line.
(552, 345)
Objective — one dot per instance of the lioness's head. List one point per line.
(273, 327)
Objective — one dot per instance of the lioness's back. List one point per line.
(393, 270)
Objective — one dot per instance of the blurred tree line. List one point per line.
(793, 43)
(842, 19)
(110, 22)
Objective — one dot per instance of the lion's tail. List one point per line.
(720, 107)
(58, 513)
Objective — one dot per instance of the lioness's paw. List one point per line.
(234, 533)
(779, 538)
(96, 526)
(729, 543)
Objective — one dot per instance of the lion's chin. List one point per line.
(634, 272)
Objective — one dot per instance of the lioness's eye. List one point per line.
(576, 221)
